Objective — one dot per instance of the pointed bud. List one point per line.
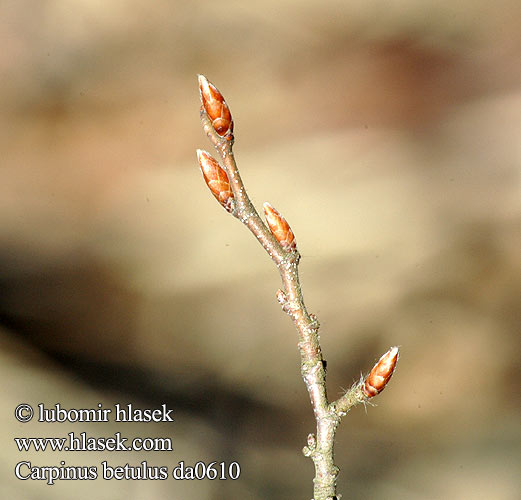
(216, 179)
(280, 228)
(381, 373)
(216, 108)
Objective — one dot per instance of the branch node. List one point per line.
(313, 325)
(288, 306)
(281, 297)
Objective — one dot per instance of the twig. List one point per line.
(279, 242)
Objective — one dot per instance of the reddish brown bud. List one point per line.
(216, 108)
(216, 179)
(280, 228)
(381, 373)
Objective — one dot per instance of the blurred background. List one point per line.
(387, 133)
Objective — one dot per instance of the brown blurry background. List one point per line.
(387, 133)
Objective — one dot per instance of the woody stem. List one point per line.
(312, 363)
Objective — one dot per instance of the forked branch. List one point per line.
(278, 240)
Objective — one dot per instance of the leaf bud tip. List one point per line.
(280, 228)
(381, 373)
(216, 179)
(216, 108)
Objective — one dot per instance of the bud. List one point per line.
(280, 228)
(381, 373)
(216, 108)
(216, 179)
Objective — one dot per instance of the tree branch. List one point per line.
(279, 242)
